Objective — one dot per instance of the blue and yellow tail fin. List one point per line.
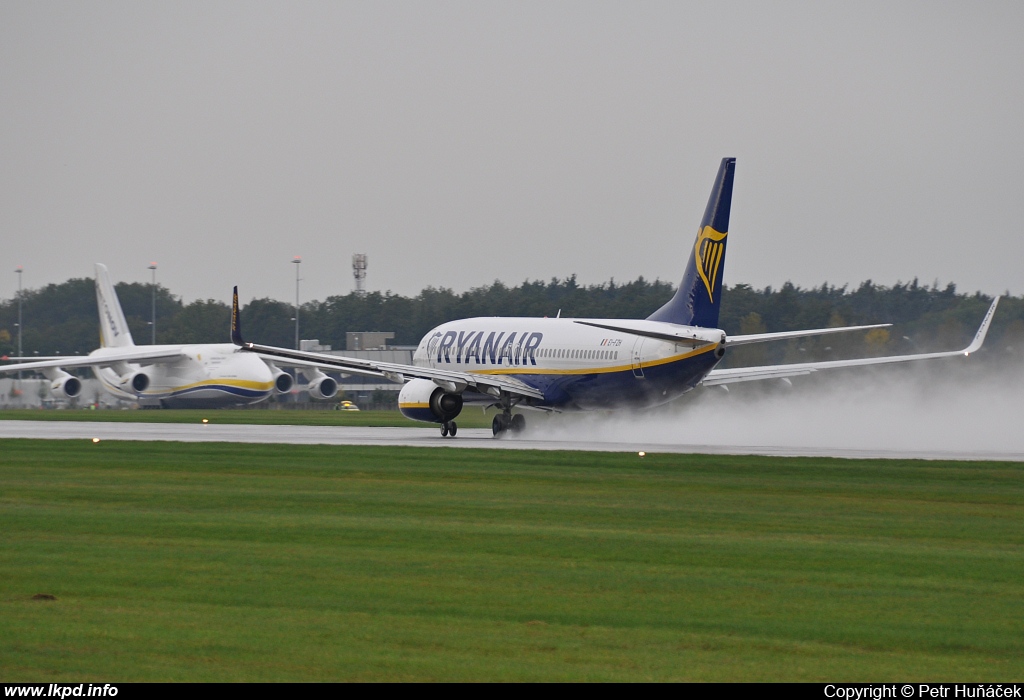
(699, 297)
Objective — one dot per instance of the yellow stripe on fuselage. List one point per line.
(598, 370)
(240, 383)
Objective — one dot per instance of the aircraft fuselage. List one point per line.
(574, 363)
(205, 376)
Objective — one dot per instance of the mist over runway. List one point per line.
(467, 438)
(949, 410)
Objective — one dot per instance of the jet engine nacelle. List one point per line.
(320, 385)
(65, 386)
(283, 382)
(135, 382)
(425, 401)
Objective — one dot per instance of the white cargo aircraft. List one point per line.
(563, 364)
(171, 376)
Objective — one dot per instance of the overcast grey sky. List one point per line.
(458, 143)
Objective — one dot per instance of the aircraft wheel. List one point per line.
(518, 423)
(444, 430)
(499, 425)
(452, 428)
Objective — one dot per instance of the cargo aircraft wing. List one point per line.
(132, 355)
(748, 374)
(451, 380)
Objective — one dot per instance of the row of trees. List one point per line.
(62, 318)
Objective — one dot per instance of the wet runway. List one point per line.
(427, 437)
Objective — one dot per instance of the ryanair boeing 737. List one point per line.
(170, 376)
(561, 364)
(581, 364)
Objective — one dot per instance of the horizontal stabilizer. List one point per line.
(661, 332)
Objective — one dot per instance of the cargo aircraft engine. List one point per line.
(425, 401)
(283, 382)
(136, 382)
(320, 385)
(65, 386)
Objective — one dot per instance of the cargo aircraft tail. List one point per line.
(114, 331)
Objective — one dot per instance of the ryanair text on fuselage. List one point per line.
(483, 348)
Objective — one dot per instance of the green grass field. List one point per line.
(471, 417)
(174, 561)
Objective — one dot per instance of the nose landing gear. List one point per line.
(449, 429)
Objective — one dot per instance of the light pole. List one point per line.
(298, 261)
(152, 266)
(19, 270)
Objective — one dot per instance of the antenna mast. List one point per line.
(359, 272)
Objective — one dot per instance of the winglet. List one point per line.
(236, 323)
(979, 337)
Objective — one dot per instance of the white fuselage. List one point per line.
(206, 375)
(574, 362)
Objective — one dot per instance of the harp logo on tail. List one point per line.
(708, 252)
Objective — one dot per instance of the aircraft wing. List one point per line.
(747, 374)
(786, 335)
(696, 337)
(139, 356)
(452, 380)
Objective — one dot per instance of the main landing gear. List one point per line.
(448, 429)
(506, 422)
